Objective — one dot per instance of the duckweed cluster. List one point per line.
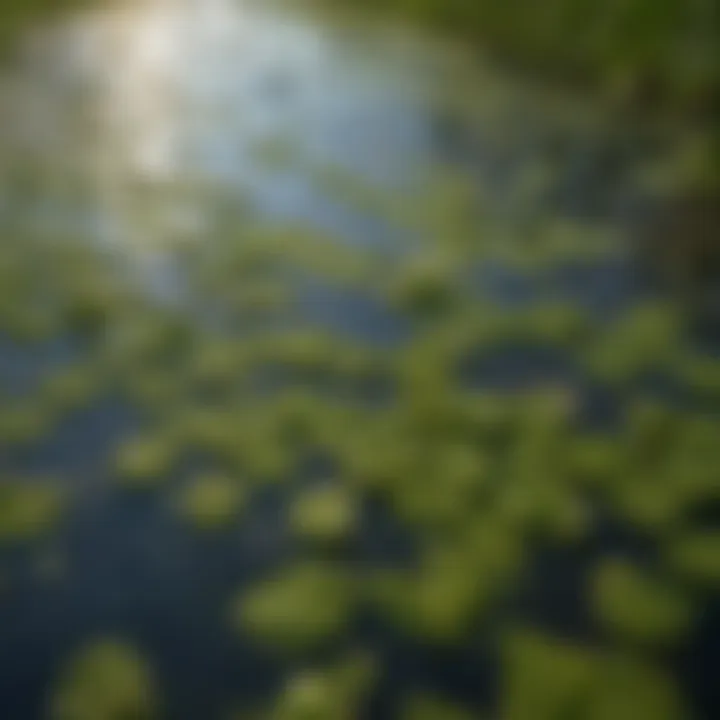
(213, 501)
(107, 680)
(301, 607)
(639, 608)
(548, 678)
(144, 462)
(29, 508)
(426, 707)
(326, 694)
(487, 431)
(325, 515)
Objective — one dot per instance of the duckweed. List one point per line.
(107, 680)
(634, 606)
(23, 423)
(557, 324)
(212, 501)
(548, 678)
(29, 508)
(302, 607)
(476, 475)
(331, 694)
(145, 461)
(646, 337)
(628, 688)
(545, 678)
(427, 707)
(650, 502)
(326, 514)
(71, 387)
(695, 557)
(426, 285)
(440, 602)
(595, 460)
(701, 374)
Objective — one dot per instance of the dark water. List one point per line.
(157, 124)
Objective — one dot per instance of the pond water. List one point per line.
(153, 131)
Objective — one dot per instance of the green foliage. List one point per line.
(326, 515)
(145, 461)
(427, 707)
(17, 14)
(29, 508)
(107, 680)
(302, 607)
(695, 557)
(212, 501)
(335, 693)
(547, 678)
(623, 45)
(635, 606)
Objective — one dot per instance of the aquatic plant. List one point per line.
(633, 605)
(301, 607)
(695, 557)
(645, 337)
(377, 460)
(306, 351)
(562, 515)
(429, 707)
(442, 485)
(650, 501)
(650, 426)
(701, 374)
(441, 601)
(545, 677)
(565, 242)
(548, 677)
(555, 323)
(215, 432)
(147, 337)
(630, 688)
(212, 501)
(71, 387)
(107, 680)
(326, 514)
(425, 285)
(489, 416)
(595, 460)
(258, 299)
(334, 693)
(144, 461)
(152, 390)
(23, 422)
(29, 508)
(28, 324)
(90, 304)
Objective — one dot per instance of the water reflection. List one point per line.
(147, 113)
